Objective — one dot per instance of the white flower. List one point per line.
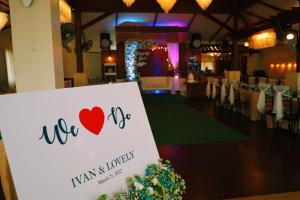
(138, 186)
(164, 168)
(154, 181)
(150, 190)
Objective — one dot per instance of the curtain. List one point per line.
(11, 73)
(3, 71)
(173, 53)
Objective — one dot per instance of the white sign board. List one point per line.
(76, 143)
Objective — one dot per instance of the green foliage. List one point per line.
(160, 182)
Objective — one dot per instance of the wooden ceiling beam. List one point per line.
(288, 17)
(254, 15)
(217, 21)
(96, 20)
(220, 29)
(155, 19)
(191, 21)
(150, 29)
(271, 6)
(4, 4)
(244, 20)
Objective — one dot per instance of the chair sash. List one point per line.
(214, 89)
(278, 104)
(223, 90)
(208, 89)
(231, 95)
(261, 104)
(233, 85)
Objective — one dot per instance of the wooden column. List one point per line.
(298, 49)
(235, 50)
(78, 36)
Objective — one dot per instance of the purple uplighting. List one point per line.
(178, 24)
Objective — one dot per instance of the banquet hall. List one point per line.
(219, 81)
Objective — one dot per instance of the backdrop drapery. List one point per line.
(173, 53)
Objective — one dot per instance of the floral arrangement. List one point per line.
(131, 48)
(160, 182)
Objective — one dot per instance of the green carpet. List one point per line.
(173, 121)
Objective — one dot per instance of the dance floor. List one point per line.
(267, 162)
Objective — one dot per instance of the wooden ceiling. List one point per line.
(181, 6)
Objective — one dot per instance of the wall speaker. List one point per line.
(195, 42)
(105, 41)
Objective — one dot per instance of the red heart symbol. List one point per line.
(92, 120)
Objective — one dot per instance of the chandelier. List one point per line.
(166, 5)
(3, 19)
(263, 39)
(204, 4)
(128, 2)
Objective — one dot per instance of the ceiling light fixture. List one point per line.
(128, 2)
(263, 39)
(166, 5)
(3, 20)
(290, 36)
(204, 4)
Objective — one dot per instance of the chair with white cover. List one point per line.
(289, 108)
(234, 96)
(265, 103)
(252, 80)
(208, 87)
(215, 84)
(262, 80)
(278, 100)
(225, 93)
(216, 92)
(182, 86)
(273, 81)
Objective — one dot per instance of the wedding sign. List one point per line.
(76, 143)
